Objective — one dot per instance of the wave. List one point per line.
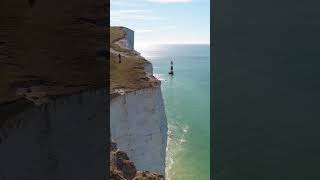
(176, 140)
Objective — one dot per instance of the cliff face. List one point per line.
(53, 104)
(138, 122)
(57, 140)
(128, 41)
(148, 68)
(138, 125)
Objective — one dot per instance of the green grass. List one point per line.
(53, 48)
(49, 45)
(128, 75)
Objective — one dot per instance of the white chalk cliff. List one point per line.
(138, 122)
(56, 140)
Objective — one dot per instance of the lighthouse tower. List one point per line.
(171, 69)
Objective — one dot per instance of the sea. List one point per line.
(186, 97)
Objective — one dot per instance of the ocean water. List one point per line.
(187, 104)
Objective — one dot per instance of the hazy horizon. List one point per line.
(144, 45)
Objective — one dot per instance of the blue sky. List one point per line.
(164, 21)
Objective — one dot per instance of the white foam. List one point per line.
(159, 77)
(175, 145)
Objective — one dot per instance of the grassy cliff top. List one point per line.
(51, 43)
(49, 49)
(129, 75)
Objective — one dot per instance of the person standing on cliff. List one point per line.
(119, 58)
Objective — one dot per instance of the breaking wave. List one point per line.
(176, 140)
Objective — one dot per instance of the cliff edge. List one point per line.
(138, 121)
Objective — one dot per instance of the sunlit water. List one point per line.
(187, 104)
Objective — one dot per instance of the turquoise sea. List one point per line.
(187, 104)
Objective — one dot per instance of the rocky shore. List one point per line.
(121, 168)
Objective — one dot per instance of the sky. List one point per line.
(164, 21)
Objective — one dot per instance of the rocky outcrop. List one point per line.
(120, 165)
(121, 168)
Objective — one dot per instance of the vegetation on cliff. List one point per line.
(129, 75)
(48, 49)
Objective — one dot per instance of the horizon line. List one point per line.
(174, 43)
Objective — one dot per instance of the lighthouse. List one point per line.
(171, 69)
